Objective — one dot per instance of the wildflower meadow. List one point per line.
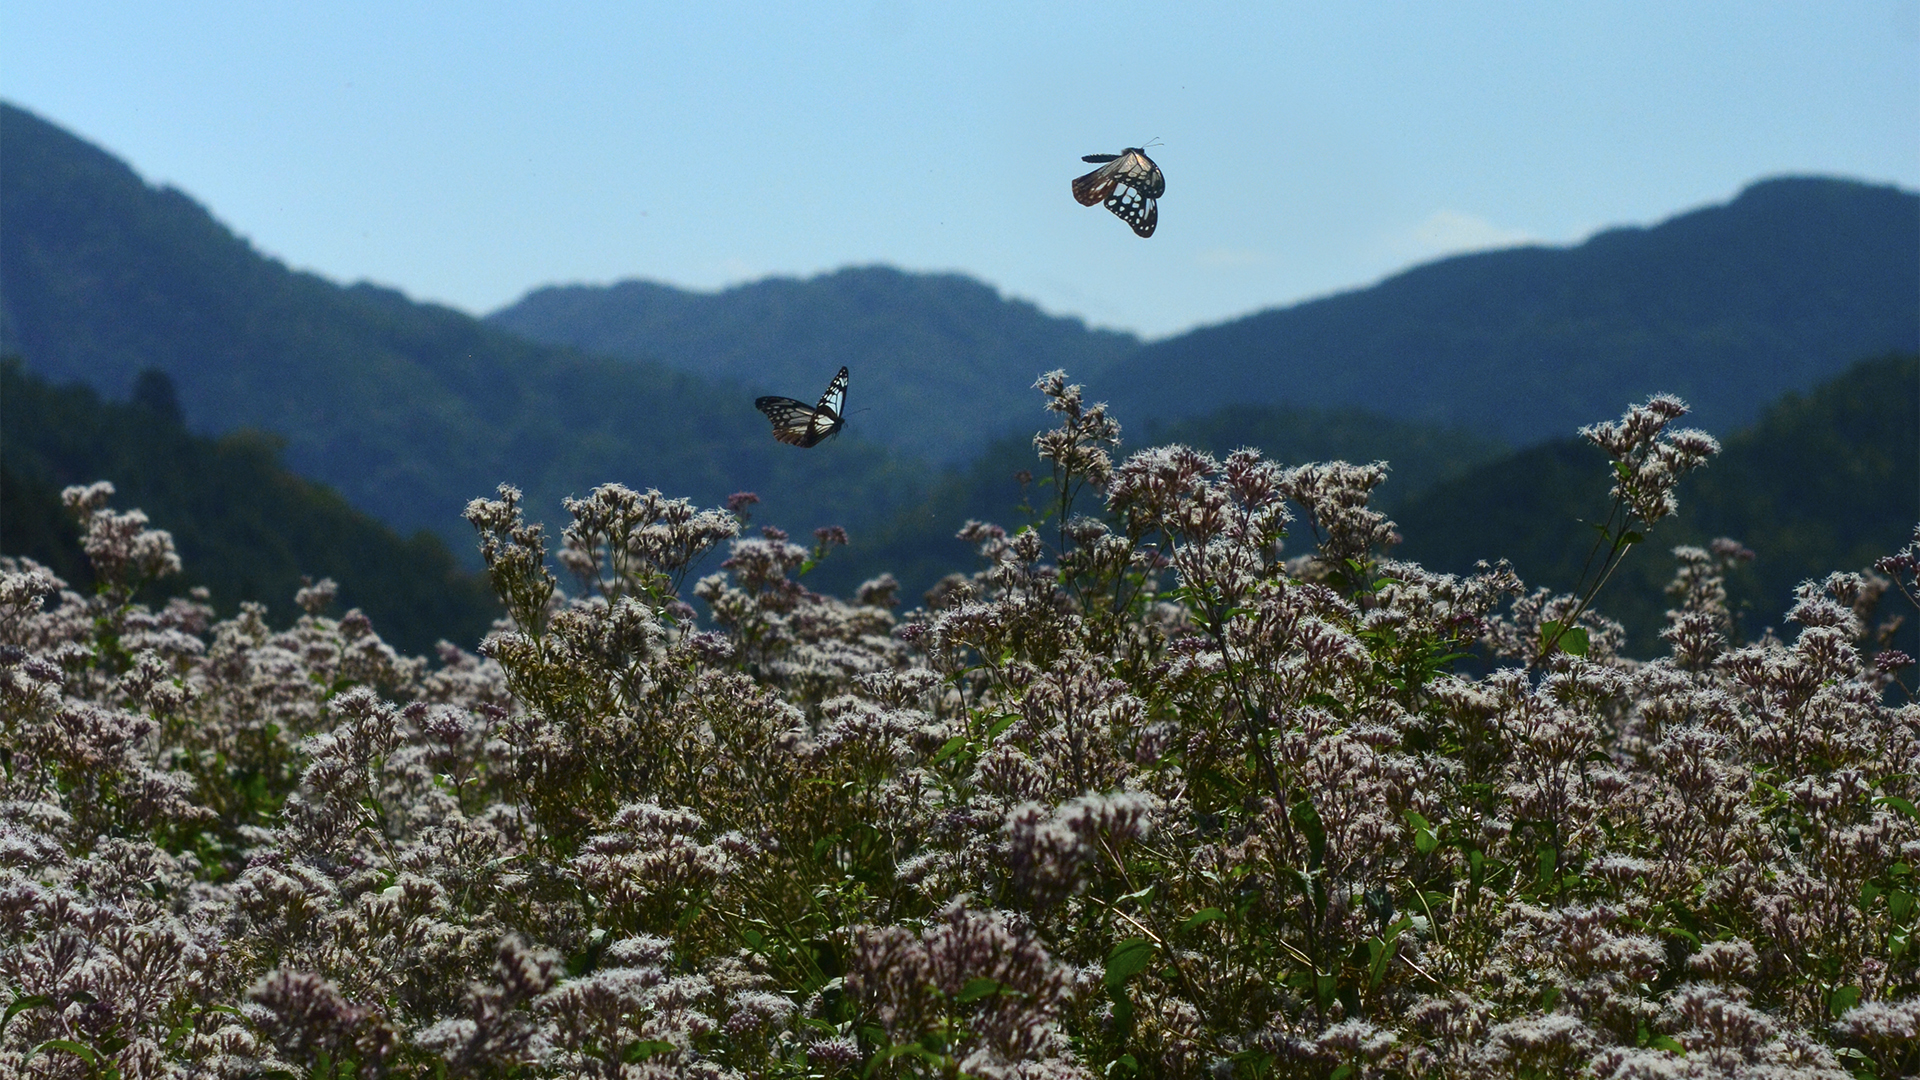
(1189, 778)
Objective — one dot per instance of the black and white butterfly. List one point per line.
(1129, 181)
(799, 424)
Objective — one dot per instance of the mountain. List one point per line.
(244, 526)
(943, 362)
(1728, 306)
(1828, 480)
(408, 410)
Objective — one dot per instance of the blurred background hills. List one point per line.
(382, 416)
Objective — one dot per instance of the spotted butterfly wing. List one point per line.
(798, 424)
(1128, 182)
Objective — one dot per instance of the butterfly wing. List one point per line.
(798, 424)
(1128, 182)
(1134, 208)
(831, 413)
(1088, 190)
(792, 420)
(1137, 171)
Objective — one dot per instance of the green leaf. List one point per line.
(1424, 838)
(1575, 641)
(1899, 804)
(80, 1050)
(1667, 1043)
(1842, 999)
(1204, 915)
(952, 747)
(1681, 931)
(1307, 820)
(978, 988)
(20, 1005)
(1128, 958)
(1378, 954)
(647, 1048)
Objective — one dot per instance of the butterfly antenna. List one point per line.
(1153, 142)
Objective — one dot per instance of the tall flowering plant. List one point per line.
(1148, 793)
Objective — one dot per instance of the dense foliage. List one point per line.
(1828, 480)
(246, 528)
(1144, 796)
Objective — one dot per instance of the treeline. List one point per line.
(1829, 480)
(246, 527)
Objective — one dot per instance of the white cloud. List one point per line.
(1450, 232)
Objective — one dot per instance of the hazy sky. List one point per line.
(466, 153)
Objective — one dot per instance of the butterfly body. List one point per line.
(1128, 182)
(798, 424)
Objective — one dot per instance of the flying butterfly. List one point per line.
(798, 424)
(1129, 182)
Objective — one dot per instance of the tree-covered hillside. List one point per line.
(1825, 481)
(941, 361)
(409, 410)
(245, 527)
(1729, 307)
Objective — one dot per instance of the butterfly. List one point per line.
(799, 424)
(1129, 181)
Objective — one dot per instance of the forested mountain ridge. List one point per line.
(1728, 306)
(1827, 480)
(245, 527)
(409, 410)
(941, 362)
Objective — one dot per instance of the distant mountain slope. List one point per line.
(407, 409)
(1729, 306)
(1825, 481)
(943, 361)
(245, 527)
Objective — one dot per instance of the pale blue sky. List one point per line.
(466, 153)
